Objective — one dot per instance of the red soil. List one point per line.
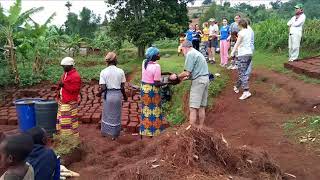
(258, 121)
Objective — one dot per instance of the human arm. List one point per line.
(102, 83)
(72, 85)
(157, 77)
(299, 22)
(236, 46)
(290, 22)
(123, 91)
(184, 75)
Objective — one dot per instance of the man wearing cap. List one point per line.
(69, 91)
(196, 69)
(213, 40)
(295, 32)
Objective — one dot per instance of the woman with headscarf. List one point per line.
(112, 81)
(68, 97)
(151, 115)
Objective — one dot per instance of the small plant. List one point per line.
(65, 144)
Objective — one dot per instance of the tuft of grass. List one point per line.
(305, 130)
(65, 144)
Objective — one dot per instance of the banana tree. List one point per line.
(13, 23)
(73, 43)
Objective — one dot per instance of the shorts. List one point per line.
(199, 92)
(213, 43)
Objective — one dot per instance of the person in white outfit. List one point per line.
(295, 33)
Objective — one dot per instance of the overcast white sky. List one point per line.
(98, 6)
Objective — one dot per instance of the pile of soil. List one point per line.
(192, 154)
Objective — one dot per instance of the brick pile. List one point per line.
(309, 67)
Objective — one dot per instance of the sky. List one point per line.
(98, 6)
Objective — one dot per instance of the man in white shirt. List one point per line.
(296, 27)
(213, 40)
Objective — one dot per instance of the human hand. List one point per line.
(232, 54)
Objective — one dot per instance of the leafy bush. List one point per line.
(167, 43)
(272, 34)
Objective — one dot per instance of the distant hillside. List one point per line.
(195, 12)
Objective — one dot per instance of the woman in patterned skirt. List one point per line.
(151, 114)
(69, 91)
(112, 81)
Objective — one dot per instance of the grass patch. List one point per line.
(304, 130)
(174, 109)
(65, 144)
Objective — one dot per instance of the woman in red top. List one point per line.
(69, 91)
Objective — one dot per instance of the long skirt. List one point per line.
(111, 114)
(67, 119)
(151, 115)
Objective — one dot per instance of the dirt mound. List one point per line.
(192, 154)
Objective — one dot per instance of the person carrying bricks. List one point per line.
(112, 81)
(196, 70)
(68, 97)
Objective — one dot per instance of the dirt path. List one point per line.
(258, 121)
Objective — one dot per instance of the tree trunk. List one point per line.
(141, 51)
(13, 60)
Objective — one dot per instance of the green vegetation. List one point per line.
(174, 109)
(304, 130)
(65, 144)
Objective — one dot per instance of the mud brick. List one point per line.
(3, 113)
(134, 114)
(96, 105)
(132, 127)
(96, 117)
(124, 124)
(13, 121)
(134, 119)
(91, 110)
(133, 105)
(124, 118)
(3, 120)
(86, 118)
(80, 115)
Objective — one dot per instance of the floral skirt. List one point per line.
(151, 115)
(67, 119)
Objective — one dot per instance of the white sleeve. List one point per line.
(123, 80)
(300, 21)
(102, 80)
(291, 21)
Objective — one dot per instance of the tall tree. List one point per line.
(207, 2)
(72, 24)
(68, 5)
(144, 21)
(8, 30)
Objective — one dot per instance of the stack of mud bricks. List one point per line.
(8, 116)
(309, 67)
(90, 108)
(130, 117)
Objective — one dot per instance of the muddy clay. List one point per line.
(258, 121)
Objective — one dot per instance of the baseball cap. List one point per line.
(299, 6)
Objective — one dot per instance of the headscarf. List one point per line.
(110, 57)
(151, 55)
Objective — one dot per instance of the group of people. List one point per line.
(42, 162)
(26, 157)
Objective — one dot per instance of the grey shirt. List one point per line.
(196, 64)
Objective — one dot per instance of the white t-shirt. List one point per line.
(213, 29)
(245, 44)
(112, 77)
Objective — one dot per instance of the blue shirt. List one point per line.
(43, 161)
(189, 35)
(224, 32)
(196, 64)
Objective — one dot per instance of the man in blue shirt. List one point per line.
(42, 159)
(190, 33)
